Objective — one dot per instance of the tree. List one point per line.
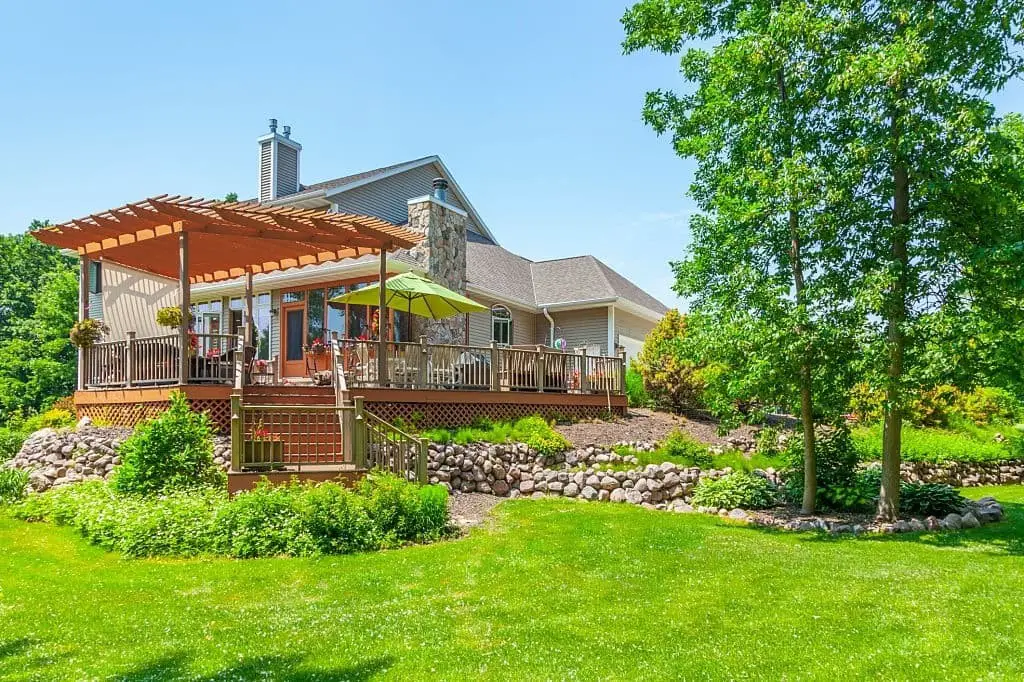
(915, 129)
(231, 196)
(765, 262)
(39, 294)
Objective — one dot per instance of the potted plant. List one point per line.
(262, 449)
(85, 333)
(171, 317)
(318, 347)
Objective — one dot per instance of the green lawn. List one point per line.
(552, 590)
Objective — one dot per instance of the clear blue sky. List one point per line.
(530, 104)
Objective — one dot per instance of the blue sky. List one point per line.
(530, 104)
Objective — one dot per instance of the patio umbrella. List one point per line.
(413, 294)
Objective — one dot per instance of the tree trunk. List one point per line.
(806, 371)
(896, 315)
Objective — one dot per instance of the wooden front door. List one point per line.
(293, 338)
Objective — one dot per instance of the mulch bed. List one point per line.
(648, 426)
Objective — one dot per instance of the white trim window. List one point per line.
(501, 325)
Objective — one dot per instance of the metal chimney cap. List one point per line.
(287, 131)
(273, 125)
(439, 183)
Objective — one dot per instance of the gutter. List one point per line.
(551, 323)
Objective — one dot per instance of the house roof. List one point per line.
(321, 192)
(562, 281)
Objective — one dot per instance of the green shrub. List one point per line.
(739, 489)
(671, 379)
(929, 499)
(13, 483)
(298, 519)
(935, 445)
(987, 405)
(767, 443)
(172, 452)
(836, 460)
(10, 443)
(534, 431)
(636, 394)
(683, 448)
(53, 418)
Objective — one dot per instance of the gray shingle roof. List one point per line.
(346, 179)
(549, 282)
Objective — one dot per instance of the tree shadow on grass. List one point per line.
(1005, 538)
(283, 668)
(13, 647)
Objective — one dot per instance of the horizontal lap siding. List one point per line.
(480, 324)
(632, 326)
(579, 328)
(131, 299)
(388, 198)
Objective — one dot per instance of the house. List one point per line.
(574, 302)
(317, 389)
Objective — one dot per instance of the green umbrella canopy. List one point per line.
(414, 294)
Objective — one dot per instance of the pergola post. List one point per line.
(249, 324)
(382, 321)
(186, 304)
(83, 312)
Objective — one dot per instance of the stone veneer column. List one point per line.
(443, 255)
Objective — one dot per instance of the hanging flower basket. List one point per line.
(170, 317)
(85, 333)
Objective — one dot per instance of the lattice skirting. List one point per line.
(130, 414)
(430, 415)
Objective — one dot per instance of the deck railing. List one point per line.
(482, 368)
(215, 359)
(304, 437)
(154, 361)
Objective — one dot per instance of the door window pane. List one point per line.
(294, 329)
(315, 324)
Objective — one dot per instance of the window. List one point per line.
(261, 316)
(336, 312)
(315, 316)
(501, 325)
(95, 277)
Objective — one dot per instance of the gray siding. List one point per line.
(388, 198)
(275, 323)
(266, 169)
(578, 327)
(480, 325)
(632, 326)
(287, 170)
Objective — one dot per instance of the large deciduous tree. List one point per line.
(916, 130)
(764, 265)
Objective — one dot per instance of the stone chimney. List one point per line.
(279, 163)
(442, 254)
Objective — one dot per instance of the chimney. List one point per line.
(440, 186)
(278, 163)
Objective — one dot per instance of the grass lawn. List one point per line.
(553, 589)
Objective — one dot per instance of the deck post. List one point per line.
(423, 363)
(83, 313)
(186, 304)
(539, 364)
(240, 364)
(421, 461)
(359, 435)
(622, 371)
(382, 321)
(129, 360)
(236, 432)
(249, 323)
(495, 367)
(584, 372)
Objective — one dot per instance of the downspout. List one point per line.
(551, 323)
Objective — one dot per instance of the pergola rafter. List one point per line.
(228, 238)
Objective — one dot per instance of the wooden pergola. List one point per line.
(219, 240)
